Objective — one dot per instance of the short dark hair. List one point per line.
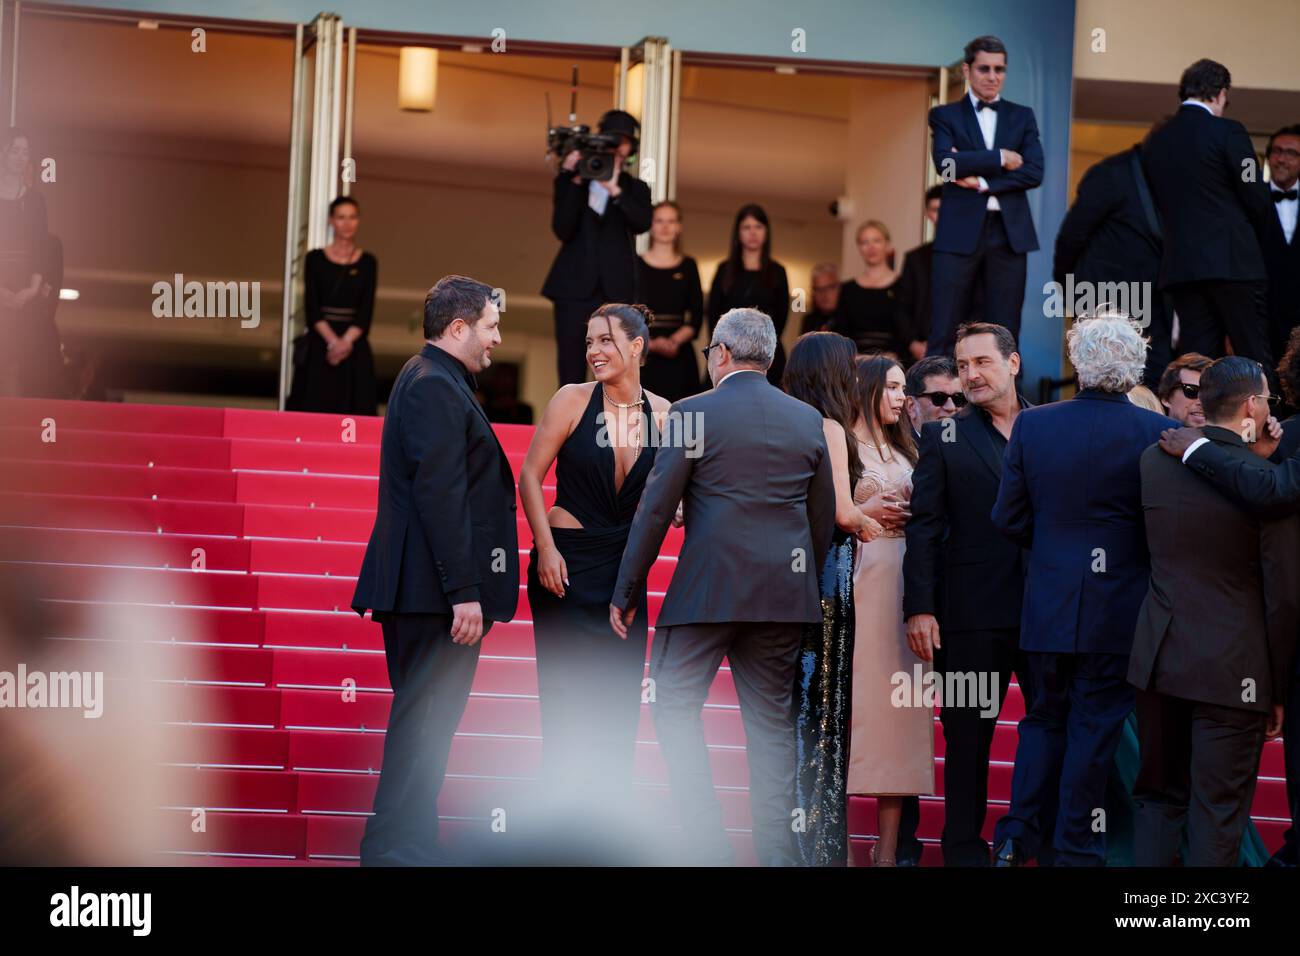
(344, 201)
(454, 297)
(984, 44)
(1203, 80)
(1006, 341)
(1292, 130)
(930, 365)
(934, 192)
(1192, 361)
(1288, 370)
(1226, 382)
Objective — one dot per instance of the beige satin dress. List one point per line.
(892, 748)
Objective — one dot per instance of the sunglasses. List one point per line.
(1190, 392)
(939, 399)
(1273, 400)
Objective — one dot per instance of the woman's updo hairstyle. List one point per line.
(634, 319)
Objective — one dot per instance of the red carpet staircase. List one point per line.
(257, 650)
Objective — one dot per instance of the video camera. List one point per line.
(599, 151)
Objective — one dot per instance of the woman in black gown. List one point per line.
(601, 436)
(821, 372)
(869, 310)
(751, 278)
(669, 285)
(334, 370)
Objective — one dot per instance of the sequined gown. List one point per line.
(822, 695)
(892, 746)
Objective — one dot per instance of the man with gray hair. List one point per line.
(1071, 494)
(759, 507)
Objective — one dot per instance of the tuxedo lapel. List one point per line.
(1002, 131)
(972, 123)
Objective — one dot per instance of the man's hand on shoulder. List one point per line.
(1176, 441)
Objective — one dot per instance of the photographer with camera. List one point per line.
(598, 211)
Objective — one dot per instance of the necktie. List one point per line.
(1282, 194)
(981, 105)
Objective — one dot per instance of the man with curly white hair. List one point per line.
(1071, 494)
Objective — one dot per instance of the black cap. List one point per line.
(623, 123)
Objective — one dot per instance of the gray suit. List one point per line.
(759, 505)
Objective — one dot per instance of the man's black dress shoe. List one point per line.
(1008, 853)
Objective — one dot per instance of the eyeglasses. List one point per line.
(1273, 400)
(1190, 392)
(707, 348)
(939, 399)
(1285, 151)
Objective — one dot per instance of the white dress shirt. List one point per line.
(988, 120)
(1192, 447)
(1286, 210)
(1201, 103)
(737, 372)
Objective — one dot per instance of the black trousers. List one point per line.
(1198, 772)
(763, 657)
(1003, 272)
(571, 317)
(968, 736)
(1207, 311)
(1288, 854)
(431, 679)
(589, 690)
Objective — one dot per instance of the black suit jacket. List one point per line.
(1265, 487)
(1107, 235)
(445, 530)
(1221, 614)
(1282, 260)
(759, 504)
(598, 257)
(915, 294)
(957, 566)
(1212, 218)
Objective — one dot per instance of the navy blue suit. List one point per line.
(970, 241)
(1071, 493)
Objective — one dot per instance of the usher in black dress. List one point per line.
(342, 295)
(588, 679)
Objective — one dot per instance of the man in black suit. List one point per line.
(758, 502)
(598, 222)
(442, 564)
(987, 151)
(1214, 210)
(1112, 235)
(1267, 490)
(1215, 638)
(915, 283)
(962, 580)
(1282, 249)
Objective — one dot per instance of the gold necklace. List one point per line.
(636, 438)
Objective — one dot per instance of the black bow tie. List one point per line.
(981, 105)
(1280, 194)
